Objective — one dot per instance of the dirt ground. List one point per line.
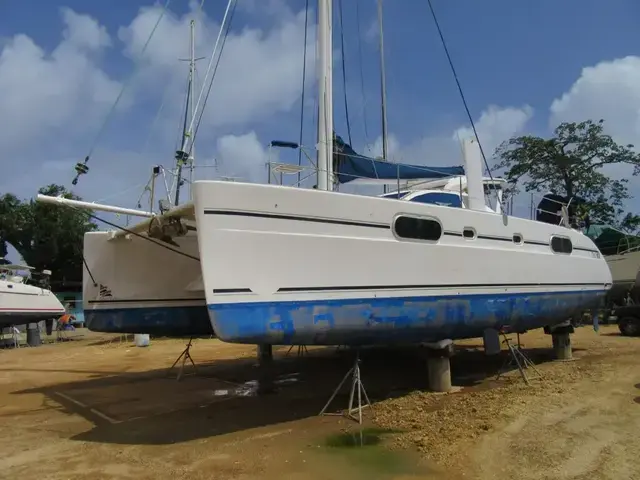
(99, 408)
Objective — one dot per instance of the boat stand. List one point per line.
(518, 358)
(356, 383)
(302, 349)
(184, 356)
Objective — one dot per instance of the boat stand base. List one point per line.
(518, 358)
(184, 356)
(562, 346)
(302, 349)
(357, 387)
(439, 365)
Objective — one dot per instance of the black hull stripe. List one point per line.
(232, 290)
(145, 300)
(297, 218)
(442, 286)
(333, 221)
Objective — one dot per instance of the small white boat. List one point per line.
(21, 303)
(622, 253)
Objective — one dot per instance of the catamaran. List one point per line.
(274, 264)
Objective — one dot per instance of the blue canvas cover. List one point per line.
(349, 165)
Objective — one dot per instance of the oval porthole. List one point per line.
(416, 228)
(517, 238)
(561, 245)
(469, 233)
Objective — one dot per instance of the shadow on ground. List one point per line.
(153, 408)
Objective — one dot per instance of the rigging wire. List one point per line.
(82, 168)
(304, 77)
(462, 96)
(213, 76)
(131, 232)
(228, 10)
(182, 119)
(120, 192)
(344, 72)
(88, 269)
(362, 91)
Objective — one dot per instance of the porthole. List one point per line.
(517, 238)
(561, 245)
(469, 233)
(416, 228)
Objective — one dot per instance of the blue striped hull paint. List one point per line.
(394, 320)
(176, 321)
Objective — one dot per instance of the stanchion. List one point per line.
(356, 383)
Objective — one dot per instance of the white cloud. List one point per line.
(46, 93)
(57, 98)
(259, 73)
(495, 125)
(393, 147)
(609, 90)
(242, 157)
(83, 31)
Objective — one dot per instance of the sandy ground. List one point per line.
(92, 408)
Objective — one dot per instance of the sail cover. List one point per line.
(349, 165)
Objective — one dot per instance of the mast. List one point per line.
(182, 155)
(192, 85)
(383, 87)
(325, 96)
(383, 92)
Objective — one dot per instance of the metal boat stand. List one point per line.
(518, 358)
(356, 383)
(184, 356)
(302, 349)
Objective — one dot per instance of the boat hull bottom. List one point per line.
(24, 318)
(396, 320)
(160, 321)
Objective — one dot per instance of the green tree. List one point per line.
(46, 236)
(571, 164)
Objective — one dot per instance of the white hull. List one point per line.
(21, 303)
(625, 270)
(624, 267)
(286, 265)
(143, 287)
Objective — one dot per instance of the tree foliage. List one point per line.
(573, 163)
(46, 236)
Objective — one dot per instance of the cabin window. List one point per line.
(439, 198)
(416, 228)
(517, 238)
(561, 245)
(469, 233)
